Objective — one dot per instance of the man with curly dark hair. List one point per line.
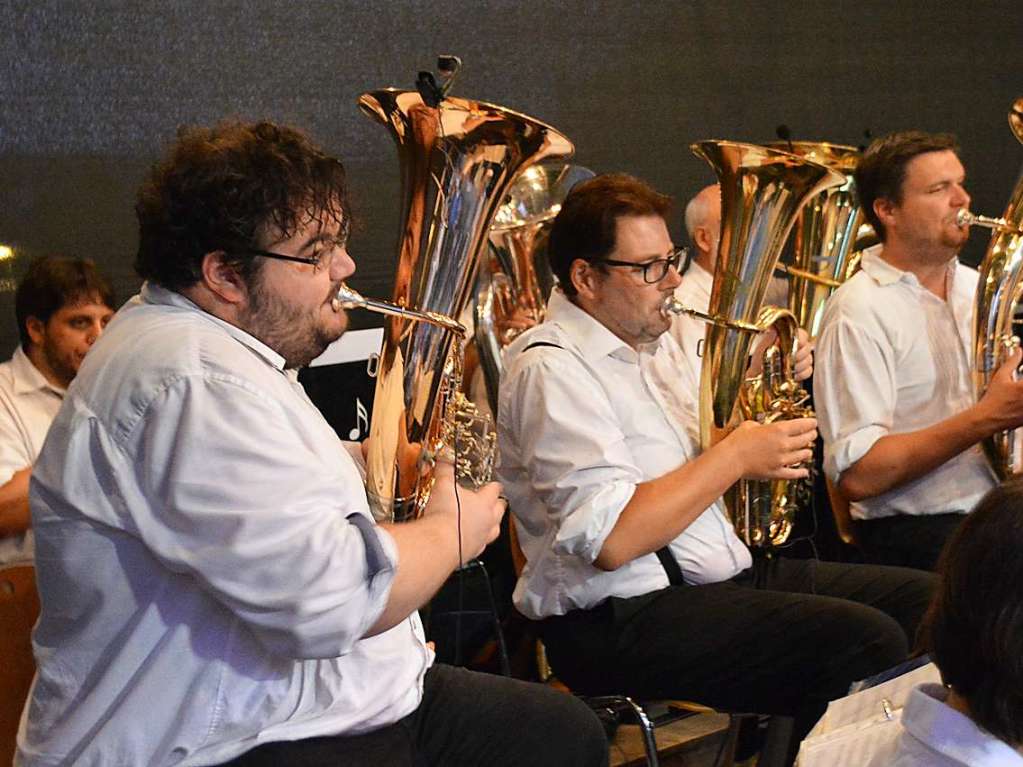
(214, 589)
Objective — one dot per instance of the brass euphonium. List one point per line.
(823, 234)
(998, 293)
(515, 275)
(762, 191)
(458, 158)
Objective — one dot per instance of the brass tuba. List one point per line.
(458, 158)
(762, 191)
(514, 272)
(823, 234)
(998, 291)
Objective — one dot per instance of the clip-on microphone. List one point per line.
(429, 90)
(783, 132)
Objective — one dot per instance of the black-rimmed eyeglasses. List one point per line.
(320, 260)
(653, 271)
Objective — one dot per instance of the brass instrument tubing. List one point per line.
(966, 218)
(793, 271)
(672, 305)
(348, 298)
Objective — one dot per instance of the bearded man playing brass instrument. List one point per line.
(899, 418)
(638, 581)
(214, 589)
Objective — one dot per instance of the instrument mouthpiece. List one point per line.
(671, 306)
(966, 218)
(347, 298)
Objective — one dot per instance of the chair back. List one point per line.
(843, 519)
(19, 609)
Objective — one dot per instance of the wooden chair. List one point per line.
(19, 609)
(843, 519)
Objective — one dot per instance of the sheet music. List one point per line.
(840, 738)
(854, 745)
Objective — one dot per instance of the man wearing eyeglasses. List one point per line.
(638, 582)
(214, 589)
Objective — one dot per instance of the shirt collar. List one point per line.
(930, 720)
(27, 377)
(884, 273)
(152, 293)
(591, 337)
(700, 276)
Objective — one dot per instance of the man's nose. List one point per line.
(95, 331)
(342, 265)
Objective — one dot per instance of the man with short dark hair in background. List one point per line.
(214, 588)
(62, 306)
(894, 389)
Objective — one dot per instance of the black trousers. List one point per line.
(906, 540)
(783, 638)
(465, 718)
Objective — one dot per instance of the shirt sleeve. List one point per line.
(560, 428)
(236, 494)
(854, 393)
(15, 452)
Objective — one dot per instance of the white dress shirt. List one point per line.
(935, 735)
(579, 427)
(694, 293)
(206, 558)
(28, 403)
(892, 358)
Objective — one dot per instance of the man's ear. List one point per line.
(703, 239)
(884, 209)
(584, 277)
(221, 277)
(36, 330)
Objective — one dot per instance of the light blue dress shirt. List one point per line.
(206, 558)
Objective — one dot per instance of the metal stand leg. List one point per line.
(623, 702)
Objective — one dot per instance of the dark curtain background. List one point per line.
(91, 91)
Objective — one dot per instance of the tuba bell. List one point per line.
(762, 191)
(998, 292)
(823, 234)
(458, 158)
(515, 275)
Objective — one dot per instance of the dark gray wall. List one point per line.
(91, 91)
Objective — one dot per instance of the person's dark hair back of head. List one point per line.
(586, 225)
(222, 188)
(881, 171)
(974, 626)
(53, 282)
